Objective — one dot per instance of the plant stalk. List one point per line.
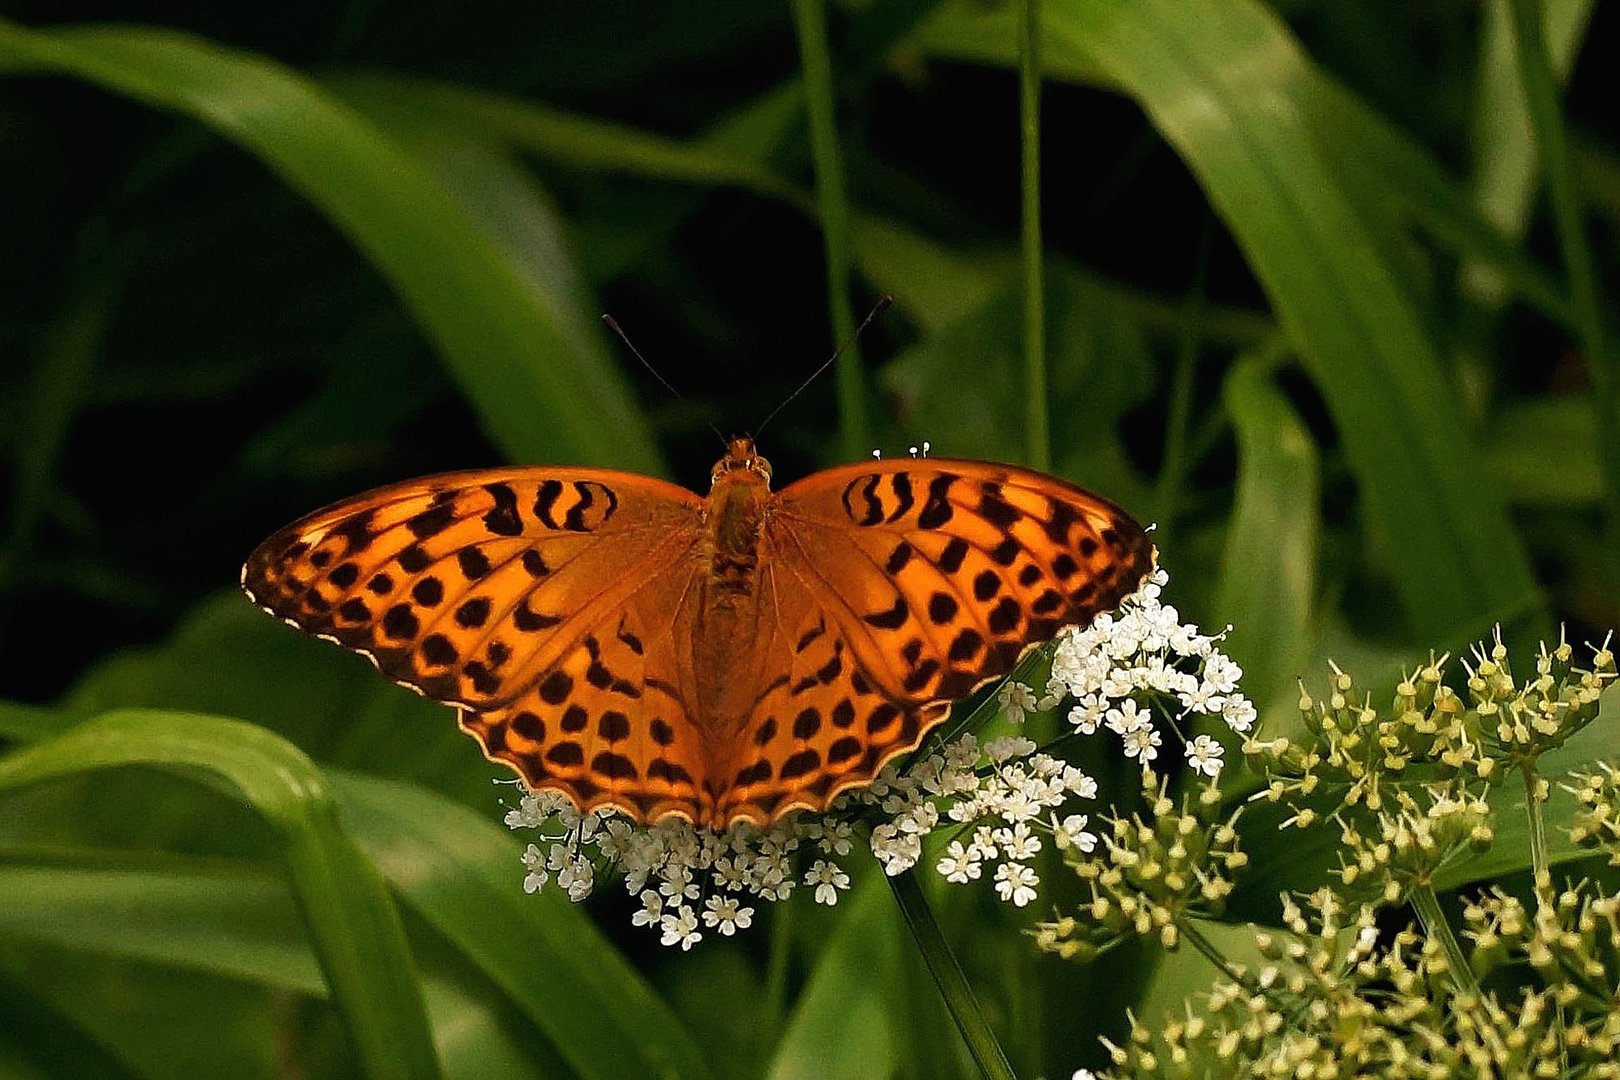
(948, 977)
(1540, 868)
(810, 19)
(1036, 416)
(1547, 121)
(1433, 918)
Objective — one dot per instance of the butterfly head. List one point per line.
(741, 462)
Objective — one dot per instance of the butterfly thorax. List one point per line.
(736, 516)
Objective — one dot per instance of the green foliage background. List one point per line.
(1323, 299)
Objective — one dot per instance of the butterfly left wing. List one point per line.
(468, 587)
(900, 587)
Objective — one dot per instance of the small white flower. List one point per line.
(1016, 700)
(1204, 755)
(1072, 832)
(576, 879)
(537, 877)
(680, 928)
(957, 864)
(1018, 842)
(723, 913)
(652, 909)
(1127, 717)
(1142, 743)
(1016, 882)
(1221, 673)
(1078, 782)
(828, 878)
(1087, 713)
(1239, 714)
(1008, 747)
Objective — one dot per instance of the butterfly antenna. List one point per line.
(877, 309)
(613, 324)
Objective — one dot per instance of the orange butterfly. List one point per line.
(630, 644)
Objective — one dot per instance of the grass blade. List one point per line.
(470, 300)
(462, 873)
(351, 920)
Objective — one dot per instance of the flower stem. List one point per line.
(1216, 957)
(1539, 866)
(1546, 119)
(1029, 87)
(810, 18)
(948, 977)
(1438, 928)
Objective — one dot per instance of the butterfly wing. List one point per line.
(610, 724)
(469, 587)
(897, 588)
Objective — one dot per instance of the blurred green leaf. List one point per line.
(540, 393)
(355, 928)
(566, 138)
(463, 874)
(1542, 451)
(146, 1017)
(843, 1023)
(235, 921)
(1228, 86)
(1268, 570)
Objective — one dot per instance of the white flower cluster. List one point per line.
(991, 804)
(992, 799)
(1144, 651)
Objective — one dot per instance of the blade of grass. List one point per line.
(1029, 107)
(1546, 119)
(351, 920)
(470, 301)
(810, 22)
(843, 1023)
(1254, 134)
(1268, 568)
(235, 921)
(462, 873)
(1406, 175)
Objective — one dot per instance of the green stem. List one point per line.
(948, 977)
(1435, 925)
(1216, 957)
(810, 18)
(1546, 118)
(1036, 418)
(1540, 868)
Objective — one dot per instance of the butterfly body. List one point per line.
(727, 658)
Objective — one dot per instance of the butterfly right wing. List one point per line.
(468, 587)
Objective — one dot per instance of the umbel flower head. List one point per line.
(1529, 986)
(975, 810)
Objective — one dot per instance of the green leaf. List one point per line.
(463, 874)
(842, 1024)
(235, 921)
(1230, 89)
(351, 920)
(157, 1022)
(1268, 569)
(541, 393)
(1543, 452)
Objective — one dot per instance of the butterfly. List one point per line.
(634, 645)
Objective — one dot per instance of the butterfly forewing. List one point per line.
(469, 586)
